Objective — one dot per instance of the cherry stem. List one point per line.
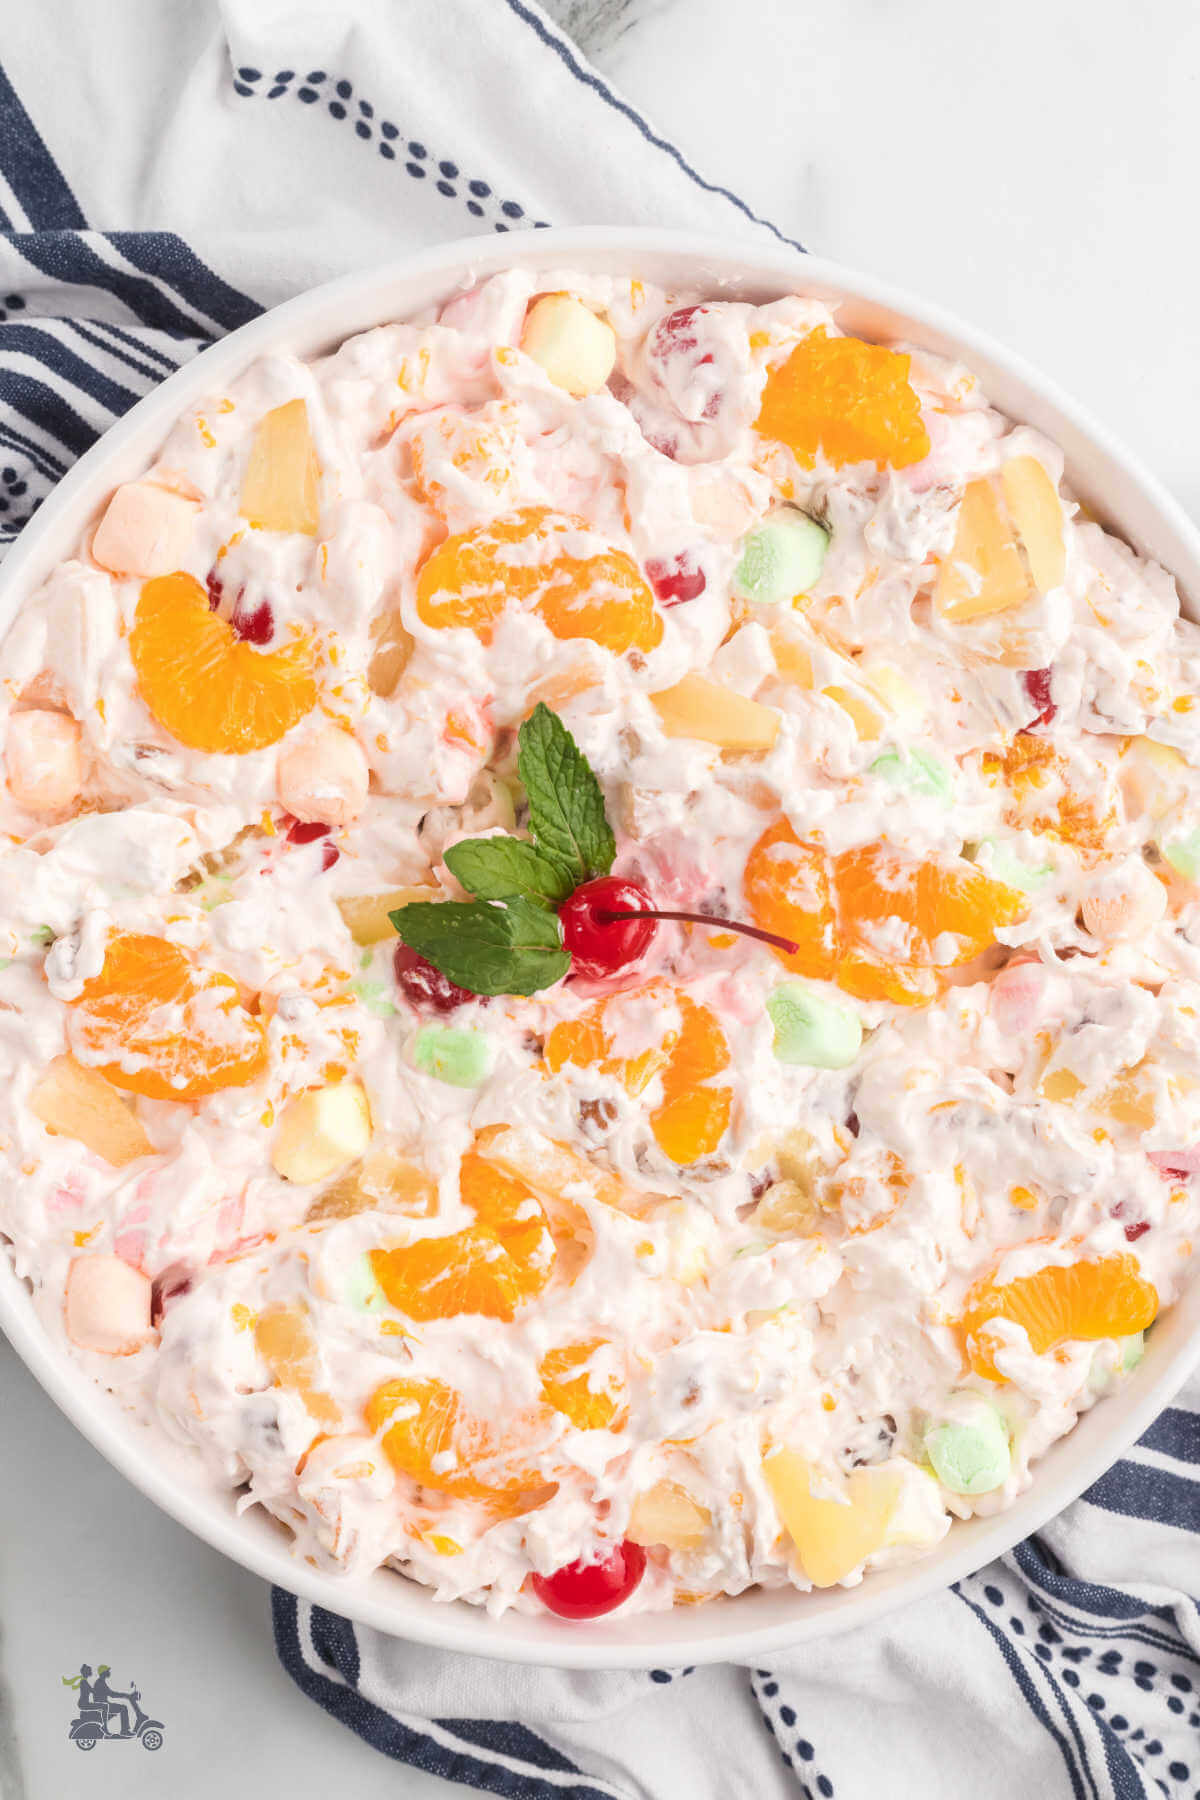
(605, 917)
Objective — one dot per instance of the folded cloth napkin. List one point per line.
(186, 164)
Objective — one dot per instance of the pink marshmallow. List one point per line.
(43, 761)
(323, 779)
(1177, 1162)
(1016, 997)
(108, 1305)
(145, 531)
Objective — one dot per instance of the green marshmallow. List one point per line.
(361, 1290)
(1184, 855)
(453, 1054)
(373, 995)
(1132, 1350)
(782, 558)
(810, 1030)
(1003, 866)
(917, 770)
(970, 1455)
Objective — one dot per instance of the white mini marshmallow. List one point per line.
(108, 1305)
(145, 531)
(321, 1131)
(43, 760)
(323, 779)
(575, 348)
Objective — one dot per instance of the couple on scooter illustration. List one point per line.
(105, 1713)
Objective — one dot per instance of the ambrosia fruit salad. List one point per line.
(601, 902)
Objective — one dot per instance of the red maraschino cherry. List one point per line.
(585, 1590)
(425, 987)
(610, 923)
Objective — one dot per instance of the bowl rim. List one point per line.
(405, 1608)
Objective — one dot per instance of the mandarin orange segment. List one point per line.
(429, 1435)
(209, 688)
(532, 559)
(491, 1268)
(850, 400)
(1106, 1298)
(570, 1389)
(788, 891)
(156, 1025)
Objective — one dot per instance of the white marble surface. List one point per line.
(1032, 170)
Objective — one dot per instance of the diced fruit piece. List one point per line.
(283, 1336)
(849, 400)
(157, 1025)
(279, 492)
(384, 1181)
(366, 915)
(320, 1131)
(392, 646)
(505, 1258)
(591, 1403)
(146, 530)
(696, 708)
(666, 1515)
(676, 579)
(555, 1172)
(983, 573)
(107, 1305)
(969, 1447)
(542, 561)
(323, 778)
(586, 1590)
(79, 1103)
(1123, 900)
(782, 558)
(893, 687)
(793, 658)
(425, 987)
(919, 771)
(865, 714)
(564, 337)
(454, 1054)
(1152, 777)
(1037, 513)
(1107, 1297)
(812, 1031)
(43, 761)
(429, 1435)
(833, 1537)
(788, 1206)
(1183, 854)
(204, 684)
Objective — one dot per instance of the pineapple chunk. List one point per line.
(983, 573)
(1130, 1099)
(79, 1103)
(666, 1515)
(392, 646)
(791, 657)
(1037, 513)
(696, 708)
(320, 1132)
(366, 915)
(788, 1206)
(896, 691)
(867, 718)
(284, 1339)
(383, 1181)
(279, 492)
(832, 1537)
(1152, 777)
(552, 1169)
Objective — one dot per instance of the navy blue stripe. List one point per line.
(159, 356)
(42, 344)
(47, 410)
(591, 79)
(43, 460)
(398, 1740)
(69, 258)
(1176, 1433)
(1137, 1492)
(1038, 1563)
(115, 350)
(335, 1643)
(163, 254)
(508, 1738)
(1021, 1675)
(30, 170)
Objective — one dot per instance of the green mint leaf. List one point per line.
(512, 949)
(566, 806)
(495, 868)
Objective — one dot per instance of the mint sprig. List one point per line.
(513, 948)
(508, 939)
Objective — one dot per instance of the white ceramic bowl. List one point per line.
(1119, 492)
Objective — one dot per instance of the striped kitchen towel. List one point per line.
(187, 163)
